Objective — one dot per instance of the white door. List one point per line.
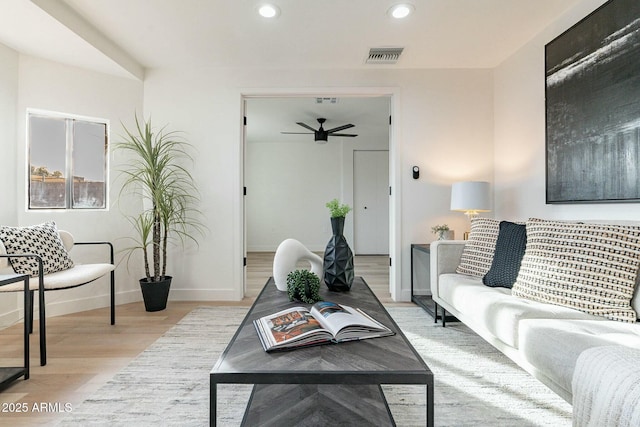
(371, 202)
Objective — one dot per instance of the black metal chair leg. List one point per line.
(113, 298)
(30, 312)
(43, 333)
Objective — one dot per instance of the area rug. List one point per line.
(168, 383)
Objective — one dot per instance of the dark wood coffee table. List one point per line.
(339, 383)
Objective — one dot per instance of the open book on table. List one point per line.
(326, 322)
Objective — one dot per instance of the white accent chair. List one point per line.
(78, 275)
(288, 254)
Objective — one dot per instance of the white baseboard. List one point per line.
(9, 318)
(60, 308)
(203, 295)
(312, 248)
(405, 295)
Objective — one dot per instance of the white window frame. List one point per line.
(68, 154)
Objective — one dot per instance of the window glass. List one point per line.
(67, 163)
(89, 169)
(47, 151)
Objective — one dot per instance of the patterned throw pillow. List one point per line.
(588, 267)
(510, 246)
(42, 240)
(477, 254)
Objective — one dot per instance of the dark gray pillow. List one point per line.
(510, 246)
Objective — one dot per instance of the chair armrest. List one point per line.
(445, 258)
(40, 268)
(99, 243)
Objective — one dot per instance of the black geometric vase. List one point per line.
(338, 259)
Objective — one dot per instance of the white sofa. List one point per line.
(544, 339)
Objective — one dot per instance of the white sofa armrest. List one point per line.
(445, 257)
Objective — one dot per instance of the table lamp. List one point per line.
(470, 197)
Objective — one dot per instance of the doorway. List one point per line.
(270, 217)
(371, 202)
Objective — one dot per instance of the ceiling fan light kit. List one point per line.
(321, 135)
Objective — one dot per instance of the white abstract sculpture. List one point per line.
(288, 254)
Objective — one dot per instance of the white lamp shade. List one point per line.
(470, 196)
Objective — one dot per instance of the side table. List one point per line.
(425, 301)
(9, 374)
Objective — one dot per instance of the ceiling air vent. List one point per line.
(384, 55)
(326, 100)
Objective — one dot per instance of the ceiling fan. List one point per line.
(321, 135)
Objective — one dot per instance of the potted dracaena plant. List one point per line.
(157, 172)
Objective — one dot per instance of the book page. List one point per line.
(289, 326)
(336, 317)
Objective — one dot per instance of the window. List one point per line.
(68, 162)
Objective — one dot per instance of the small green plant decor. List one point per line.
(303, 285)
(337, 210)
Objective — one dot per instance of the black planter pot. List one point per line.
(155, 294)
(338, 259)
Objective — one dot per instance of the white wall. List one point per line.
(454, 124)
(8, 214)
(8, 102)
(290, 182)
(51, 86)
(520, 135)
(444, 125)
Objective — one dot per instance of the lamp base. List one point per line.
(465, 235)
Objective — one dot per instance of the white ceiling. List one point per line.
(307, 34)
(267, 118)
(127, 37)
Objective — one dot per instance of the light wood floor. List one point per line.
(84, 351)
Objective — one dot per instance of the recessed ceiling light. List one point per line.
(401, 10)
(269, 11)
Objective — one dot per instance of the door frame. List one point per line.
(395, 159)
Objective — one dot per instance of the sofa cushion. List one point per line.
(589, 267)
(42, 240)
(477, 254)
(494, 309)
(512, 240)
(553, 347)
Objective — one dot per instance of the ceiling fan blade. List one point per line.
(339, 128)
(342, 134)
(298, 133)
(306, 126)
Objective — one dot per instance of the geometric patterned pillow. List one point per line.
(477, 254)
(588, 267)
(42, 240)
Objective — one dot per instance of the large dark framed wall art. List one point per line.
(593, 108)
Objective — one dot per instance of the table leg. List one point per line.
(213, 403)
(429, 406)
